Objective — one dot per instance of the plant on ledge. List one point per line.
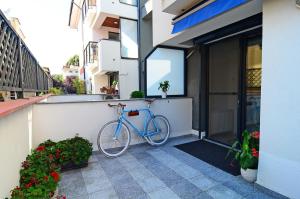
(137, 94)
(164, 86)
(248, 154)
(40, 172)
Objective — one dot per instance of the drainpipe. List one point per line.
(139, 43)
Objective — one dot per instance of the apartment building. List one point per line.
(239, 61)
(109, 43)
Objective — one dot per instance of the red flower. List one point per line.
(256, 134)
(46, 178)
(57, 153)
(55, 176)
(40, 148)
(17, 188)
(34, 181)
(28, 185)
(255, 153)
(50, 157)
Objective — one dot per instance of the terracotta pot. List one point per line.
(249, 175)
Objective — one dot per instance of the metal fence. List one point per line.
(19, 69)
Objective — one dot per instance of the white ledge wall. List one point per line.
(279, 163)
(15, 145)
(63, 120)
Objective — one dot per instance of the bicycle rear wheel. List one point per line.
(113, 139)
(158, 130)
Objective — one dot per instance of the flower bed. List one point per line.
(40, 171)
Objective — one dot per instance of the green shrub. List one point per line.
(56, 91)
(76, 150)
(137, 94)
(40, 172)
(78, 85)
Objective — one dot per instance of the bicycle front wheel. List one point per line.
(158, 130)
(113, 139)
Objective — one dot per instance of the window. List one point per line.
(90, 53)
(129, 44)
(114, 36)
(165, 64)
(129, 2)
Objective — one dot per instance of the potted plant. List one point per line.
(164, 86)
(137, 94)
(248, 154)
(75, 153)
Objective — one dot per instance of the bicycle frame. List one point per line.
(123, 119)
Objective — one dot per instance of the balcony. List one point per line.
(115, 9)
(99, 60)
(89, 10)
(90, 59)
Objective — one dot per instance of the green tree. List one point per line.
(73, 61)
(58, 78)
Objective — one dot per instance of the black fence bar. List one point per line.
(19, 69)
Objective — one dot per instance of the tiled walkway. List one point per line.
(156, 172)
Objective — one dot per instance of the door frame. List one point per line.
(204, 82)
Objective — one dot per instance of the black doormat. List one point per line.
(212, 154)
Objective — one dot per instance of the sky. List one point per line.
(45, 25)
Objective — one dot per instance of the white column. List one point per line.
(279, 164)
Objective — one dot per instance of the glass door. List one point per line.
(223, 90)
(253, 83)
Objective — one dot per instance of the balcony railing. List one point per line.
(19, 69)
(90, 53)
(87, 4)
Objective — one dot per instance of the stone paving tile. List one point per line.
(142, 176)
(267, 192)
(72, 184)
(165, 174)
(186, 190)
(222, 192)
(105, 194)
(125, 186)
(203, 183)
(179, 167)
(95, 178)
(163, 193)
(240, 186)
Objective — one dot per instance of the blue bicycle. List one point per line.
(114, 137)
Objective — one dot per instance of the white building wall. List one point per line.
(114, 7)
(128, 77)
(99, 81)
(15, 145)
(162, 24)
(279, 163)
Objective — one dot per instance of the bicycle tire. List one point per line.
(105, 150)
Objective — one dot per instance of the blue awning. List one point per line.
(215, 8)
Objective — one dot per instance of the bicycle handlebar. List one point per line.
(149, 101)
(117, 105)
